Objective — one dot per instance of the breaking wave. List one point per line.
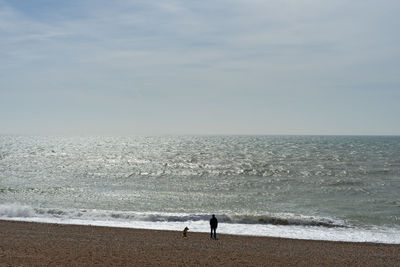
(285, 219)
(22, 211)
(16, 211)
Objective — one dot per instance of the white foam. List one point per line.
(15, 210)
(197, 223)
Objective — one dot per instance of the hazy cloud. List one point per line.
(235, 66)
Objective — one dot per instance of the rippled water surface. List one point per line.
(328, 181)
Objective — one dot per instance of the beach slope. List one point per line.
(32, 244)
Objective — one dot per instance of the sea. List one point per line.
(339, 188)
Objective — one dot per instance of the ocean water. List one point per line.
(310, 187)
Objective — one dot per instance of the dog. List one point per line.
(184, 233)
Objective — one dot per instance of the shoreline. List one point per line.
(355, 236)
(33, 244)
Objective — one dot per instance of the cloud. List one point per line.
(245, 58)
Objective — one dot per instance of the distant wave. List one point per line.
(346, 182)
(23, 211)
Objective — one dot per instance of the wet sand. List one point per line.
(37, 244)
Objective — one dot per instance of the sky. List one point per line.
(200, 67)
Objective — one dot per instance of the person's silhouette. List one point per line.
(213, 225)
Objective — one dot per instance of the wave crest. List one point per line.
(22, 211)
(283, 220)
(15, 210)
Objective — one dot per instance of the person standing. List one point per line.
(213, 225)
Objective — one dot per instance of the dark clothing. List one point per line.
(214, 225)
(213, 230)
(214, 222)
